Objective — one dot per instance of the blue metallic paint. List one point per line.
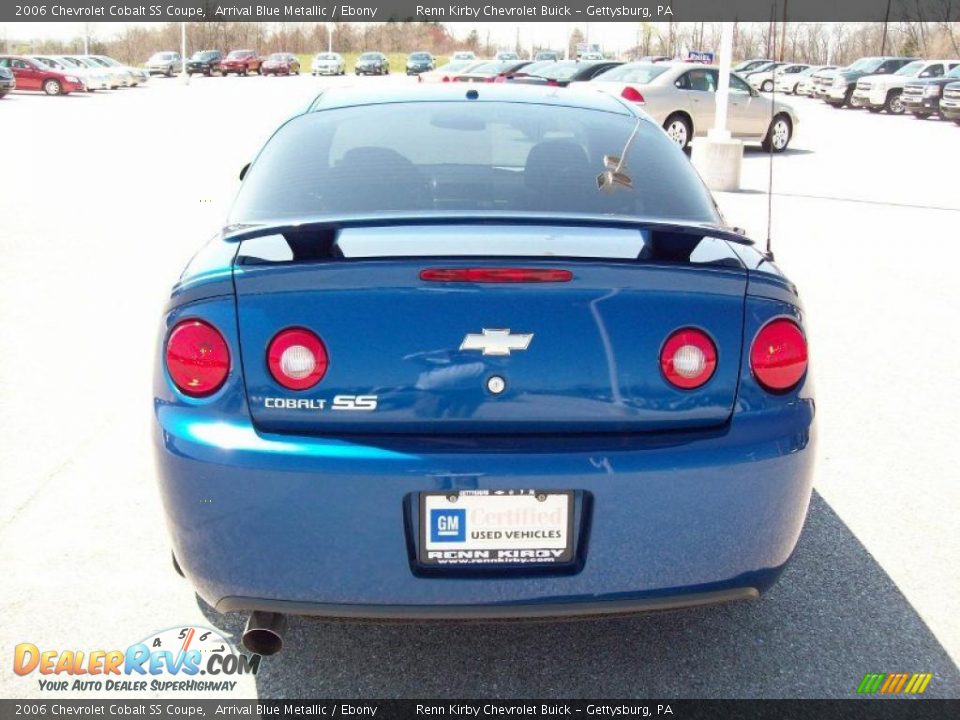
(326, 518)
(320, 519)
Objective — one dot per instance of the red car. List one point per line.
(241, 62)
(31, 75)
(281, 64)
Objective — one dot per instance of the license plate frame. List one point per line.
(495, 554)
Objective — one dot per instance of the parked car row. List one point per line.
(64, 74)
(214, 62)
(896, 85)
(679, 95)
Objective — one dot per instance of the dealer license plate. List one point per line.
(496, 527)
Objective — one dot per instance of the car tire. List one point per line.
(679, 129)
(169, 72)
(176, 565)
(778, 135)
(259, 70)
(894, 104)
(766, 86)
(52, 86)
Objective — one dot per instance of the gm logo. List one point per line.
(448, 525)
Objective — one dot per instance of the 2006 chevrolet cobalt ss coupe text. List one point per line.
(465, 353)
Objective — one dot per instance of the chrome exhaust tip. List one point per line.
(263, 634)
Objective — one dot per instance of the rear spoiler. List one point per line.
(316, 238)
(567, 239)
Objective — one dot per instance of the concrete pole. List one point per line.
(718, 157)
(719, 130)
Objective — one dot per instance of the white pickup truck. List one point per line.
(884, 92)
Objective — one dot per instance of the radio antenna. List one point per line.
(772, 44)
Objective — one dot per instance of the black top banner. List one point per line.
(481, 11)
(161, 709)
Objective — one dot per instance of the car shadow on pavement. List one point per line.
(834, 616)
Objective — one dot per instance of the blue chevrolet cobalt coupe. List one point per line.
(479, 353)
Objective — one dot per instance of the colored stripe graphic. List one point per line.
(871, 683)
(894, 683)
(918, 683)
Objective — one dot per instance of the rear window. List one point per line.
(561, 70)
(640, 74)
(457, 157)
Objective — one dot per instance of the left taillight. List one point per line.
(297, 358)
(197, 357)
(631, 94)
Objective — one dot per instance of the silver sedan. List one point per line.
(681, 97)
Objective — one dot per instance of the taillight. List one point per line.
(632, 94)
(297, 358)
(688, 358)
(445, 79)
(197, 357)
(553, 83)
(778, 356)
(496, 275)
(500, 79)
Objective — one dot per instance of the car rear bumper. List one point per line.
(327, 526)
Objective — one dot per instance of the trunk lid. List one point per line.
(579, 356)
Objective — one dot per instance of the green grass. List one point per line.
(398, 61)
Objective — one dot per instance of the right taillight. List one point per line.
(778, 356)
(297, 358)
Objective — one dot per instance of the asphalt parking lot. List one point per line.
(105, 199)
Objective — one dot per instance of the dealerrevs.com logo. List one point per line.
(177, 659)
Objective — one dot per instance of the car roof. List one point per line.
(586, 98)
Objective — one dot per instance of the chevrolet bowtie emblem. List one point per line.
(496, 342)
